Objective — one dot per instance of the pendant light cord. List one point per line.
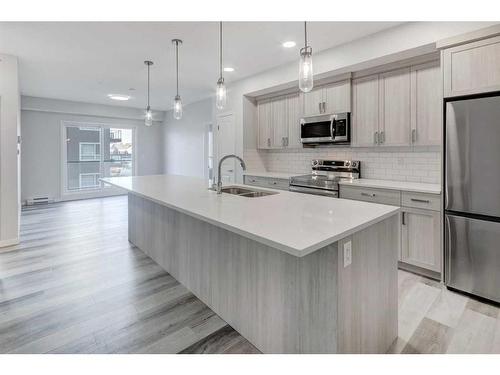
(177, 64)
(305, 33)
(220, 46)
(148, 84)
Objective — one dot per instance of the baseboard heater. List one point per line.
(39, 201)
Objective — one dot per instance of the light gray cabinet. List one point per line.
(426, 104)
(420, 224)
(472, 68)
(279, 122)
(365, 111)
(332, 98)
(266, 182)
(401, 107)
(264, 121)
(394, 108)
(294, 113)
(421, 238)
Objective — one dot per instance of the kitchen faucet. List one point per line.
(219, 177)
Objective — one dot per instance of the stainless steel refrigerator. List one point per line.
(472, 195)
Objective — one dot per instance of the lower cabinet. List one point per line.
(421, 249)
(421, 238)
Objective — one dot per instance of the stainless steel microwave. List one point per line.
(333, 128)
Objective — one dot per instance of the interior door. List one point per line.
(472, 156)
(473, 256)
(226, 146)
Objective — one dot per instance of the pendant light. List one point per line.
(306, 65)
(148, 117)
(221, 94)
(177, 99)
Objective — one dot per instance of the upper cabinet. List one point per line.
(294, 113)
(331, 98)
(264, 120)
(472, 68)
(394, 108)
(426, 104)
(365, 108)
(279, 122)
(400, 107)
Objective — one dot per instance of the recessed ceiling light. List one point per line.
(119, 97)
(229, 69)
(289, 44)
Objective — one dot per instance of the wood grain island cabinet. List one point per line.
(263, 266)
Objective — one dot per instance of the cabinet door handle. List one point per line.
(319, 105)
(268, 142)
(286, 141)
(420, 200)
(324, 107)
(375, 138)
(403, 218)
(283, 141)
(382, 137)
(368, 194)
(413, 135)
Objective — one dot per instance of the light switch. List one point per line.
(347, 253)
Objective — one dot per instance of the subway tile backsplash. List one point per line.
(423, 165)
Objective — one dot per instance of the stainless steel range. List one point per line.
(325, 176)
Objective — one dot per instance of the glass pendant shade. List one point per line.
(148, 118)
(177, 107)
(306, 70)
(221, 95)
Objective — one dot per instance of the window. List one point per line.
(89, 151)
(89, 180)
(93, 151)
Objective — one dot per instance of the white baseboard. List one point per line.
(11, 242)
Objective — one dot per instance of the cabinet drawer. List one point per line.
(255, 181)
(421, 200)
(278, 183)
(382, 196)
(267, 182)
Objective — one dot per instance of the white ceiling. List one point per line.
(87, 61)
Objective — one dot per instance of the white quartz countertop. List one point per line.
(292, 222)
(418, 187)
(282, 175)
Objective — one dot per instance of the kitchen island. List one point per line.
(277, 268)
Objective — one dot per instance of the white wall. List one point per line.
(9, 161)
(41, 136)
(390, 45)
(184, 140)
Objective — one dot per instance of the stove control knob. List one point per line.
(314, 163)
(347, 163)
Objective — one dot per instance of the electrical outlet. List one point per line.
(347, 253)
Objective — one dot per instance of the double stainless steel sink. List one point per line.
(244, 192)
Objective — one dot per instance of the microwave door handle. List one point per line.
(333, 128)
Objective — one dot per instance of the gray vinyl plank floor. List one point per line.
(76, 285)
